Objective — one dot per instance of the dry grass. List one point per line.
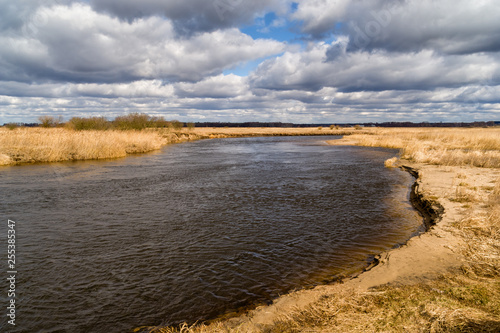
(450, 304)
(478, 147)
(31, 145)
(224, 132)
(34, 145)
(391, 163)
(219, 327)
(464, 193)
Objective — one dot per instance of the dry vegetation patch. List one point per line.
(269, 131)
(478, 147)
(31, 145)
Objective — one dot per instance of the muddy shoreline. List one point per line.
(431, 210)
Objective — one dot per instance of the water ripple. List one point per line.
(196, 231)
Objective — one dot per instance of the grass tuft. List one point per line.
(391, 163)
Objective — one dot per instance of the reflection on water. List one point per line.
(195, 231)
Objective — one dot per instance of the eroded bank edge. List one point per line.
(430, 210)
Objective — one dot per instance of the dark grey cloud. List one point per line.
(14, 15)
(276, 106)
(473, 102)
(447, 26)
(191, 16)
(326, 65)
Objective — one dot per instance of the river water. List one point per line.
(194, 231)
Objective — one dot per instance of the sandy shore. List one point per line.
(422, 258)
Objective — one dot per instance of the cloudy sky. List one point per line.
(320, 61)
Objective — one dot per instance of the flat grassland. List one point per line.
(445, 280)
(478, 147)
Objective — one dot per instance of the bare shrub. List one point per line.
(91, 123)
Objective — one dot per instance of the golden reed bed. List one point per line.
(31, 145)
(440, 146)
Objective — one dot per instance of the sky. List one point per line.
(309, 61)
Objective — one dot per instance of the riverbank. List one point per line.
(40, 145)
(445, 280)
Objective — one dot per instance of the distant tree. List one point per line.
(46, 121)
(177, 125)
(134, 121)
(190, 126)
(58, 121)
(91, 123)
(158, 122)
(11, 126)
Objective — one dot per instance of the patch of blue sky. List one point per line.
(269, 26)
(246, 68)
(274, 27)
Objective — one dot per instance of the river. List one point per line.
(195, 230)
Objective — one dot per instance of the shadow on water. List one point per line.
(196, 230)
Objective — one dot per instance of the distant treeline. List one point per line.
(385, 124)
(440, 124)
(140, 121)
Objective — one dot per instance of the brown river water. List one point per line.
(194, 231)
